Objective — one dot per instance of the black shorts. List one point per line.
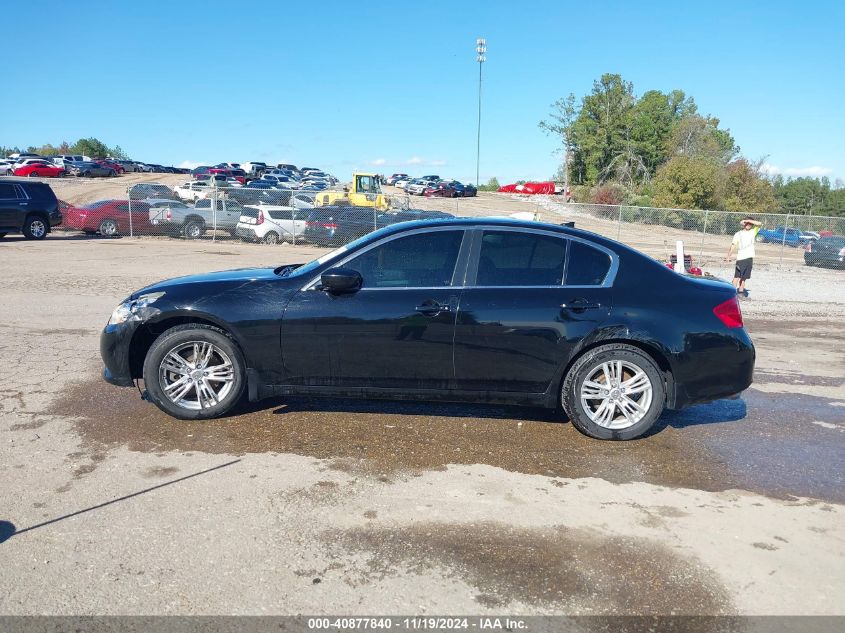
(743, 269)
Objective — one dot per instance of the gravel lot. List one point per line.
(344, 507)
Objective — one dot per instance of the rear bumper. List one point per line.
(721, 367)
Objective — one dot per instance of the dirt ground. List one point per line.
(336, 506)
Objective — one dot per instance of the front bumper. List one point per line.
(115, 348)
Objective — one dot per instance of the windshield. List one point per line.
(316, 263)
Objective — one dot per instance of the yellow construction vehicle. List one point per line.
(365, 191)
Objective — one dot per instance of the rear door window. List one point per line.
(516, 258)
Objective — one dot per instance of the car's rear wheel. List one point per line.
(35, 227)
(271, 238)
(33, 174)
(194, 372)
(108, 227)
(194, 230)
(614, 392)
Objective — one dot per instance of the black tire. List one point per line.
(2, 235)
(271, 238)
(108, 228)
(586, 366)
(36, 227)
(33, 174)
(194, 229)
(181, 335)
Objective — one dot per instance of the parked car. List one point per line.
(28, 207)
(826, 251)
(143, 167)
(144, 190)
(193, 190)
(336, 225)
(470, 191)
(110, 218)
(411, 215)
(402, 183)
(440, 190)
(118, 168)
(272, 224)
(39, 168)
(128, 165)
(228, 212)
(391, 180)
(6, 167)
(468, 309)
(174, 217)
(90, 170)
(784, 235)
(418, 186)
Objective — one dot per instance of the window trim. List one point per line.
(472, 268)
(458, 275)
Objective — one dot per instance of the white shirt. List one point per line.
(744, 242)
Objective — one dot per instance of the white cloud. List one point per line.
(378, 162)
(416, 160)
(813, 172)
(189, 164)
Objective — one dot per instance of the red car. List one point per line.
(40, 169)
(118, 169)
(440, 190)
(110, 217)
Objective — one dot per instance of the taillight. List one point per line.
(169, 214)
(260, 217)
(809, 246)
(729, 313)
(331, 227)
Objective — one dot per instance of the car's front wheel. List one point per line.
(614, 392)
(194, 372)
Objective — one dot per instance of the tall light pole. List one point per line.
(481, 49)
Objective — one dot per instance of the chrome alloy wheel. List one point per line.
(37, 228)
(616, 394)
(196, 375)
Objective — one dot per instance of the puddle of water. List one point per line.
(567, 569)
(759, 446)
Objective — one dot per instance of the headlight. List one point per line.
(128, 310)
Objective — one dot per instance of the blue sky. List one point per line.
(392, 86)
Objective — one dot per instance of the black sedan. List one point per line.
(481, 309)
(826, 251)
(90, 170)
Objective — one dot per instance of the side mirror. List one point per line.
(338, 281)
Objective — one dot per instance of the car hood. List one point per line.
(240, 275)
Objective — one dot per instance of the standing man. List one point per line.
(743, 242)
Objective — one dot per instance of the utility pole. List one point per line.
(481, 50)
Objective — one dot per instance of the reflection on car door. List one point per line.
(395, 332)
(527, 308)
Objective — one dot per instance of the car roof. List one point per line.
(504, 223)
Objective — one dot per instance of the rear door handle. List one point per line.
(432, 309)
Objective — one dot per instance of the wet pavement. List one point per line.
(777, 444)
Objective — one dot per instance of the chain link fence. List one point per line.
(260, 213)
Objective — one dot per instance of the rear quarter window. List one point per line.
(587, 266)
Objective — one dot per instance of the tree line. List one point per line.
(86, 146)
(659, 150)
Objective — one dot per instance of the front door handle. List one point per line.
(432, 309)
(579, 305)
